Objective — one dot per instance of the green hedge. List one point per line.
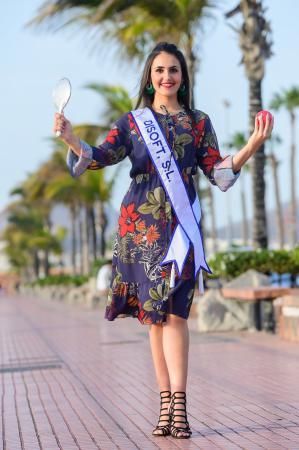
(56, 280)
(232, 264)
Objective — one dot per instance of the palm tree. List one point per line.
(117, 102)
(26, 237)
(66, 190)
(95, 192)
(275, 139)
(177, 21)
(16, 249)
(79, 196)
(134, 26)
(289, 99)
(255, 46)
(90, 185)
(33, 188)
(229, 225)
(87, 195)
(238, 141)
(23, 223)
(50, 185)
(207, 195)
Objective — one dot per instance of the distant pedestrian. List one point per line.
(158, 249)
(103, 280)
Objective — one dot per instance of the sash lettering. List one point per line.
(187, 231)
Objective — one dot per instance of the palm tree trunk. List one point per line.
(213, 219)
(102, 224)
(245, 234)
(200, 192)
(73, 238)
(229, 223)
(36, 264)
(92, 224)
(260, 236)
(81, 240)
(279, 217)
(48, 226)
(26, 274)
(191, 61)
(293, 181)
(85, 241)
(46, 263)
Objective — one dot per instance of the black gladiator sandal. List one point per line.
(176, 431)
(163, 430)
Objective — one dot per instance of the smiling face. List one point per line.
(166, 74)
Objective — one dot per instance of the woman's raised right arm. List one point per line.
(81, 156)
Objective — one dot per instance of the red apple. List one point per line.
(264, 115)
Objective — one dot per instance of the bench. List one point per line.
(260, 297)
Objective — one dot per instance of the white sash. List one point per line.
(188, 215)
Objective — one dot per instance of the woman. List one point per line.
(144, 283)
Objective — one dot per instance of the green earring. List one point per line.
(149, 89)
(182, 89)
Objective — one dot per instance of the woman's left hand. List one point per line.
(262, 131)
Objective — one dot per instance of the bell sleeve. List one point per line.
(218, 169)
(116, 146)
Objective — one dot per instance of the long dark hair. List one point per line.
(146, 99)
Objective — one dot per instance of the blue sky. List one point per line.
(33, 61)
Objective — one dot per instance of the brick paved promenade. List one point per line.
(71, 380)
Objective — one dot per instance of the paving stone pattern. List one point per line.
(71, 380)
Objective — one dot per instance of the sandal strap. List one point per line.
(165, 415)
(174, 394)
(181, 428)
(165, 397)
(163, 428)
(176, 430)
(179, 414)
(164, 400)
(165, 392)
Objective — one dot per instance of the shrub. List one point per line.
(231, 264)
(58, 280)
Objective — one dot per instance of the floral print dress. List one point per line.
(140, 285)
